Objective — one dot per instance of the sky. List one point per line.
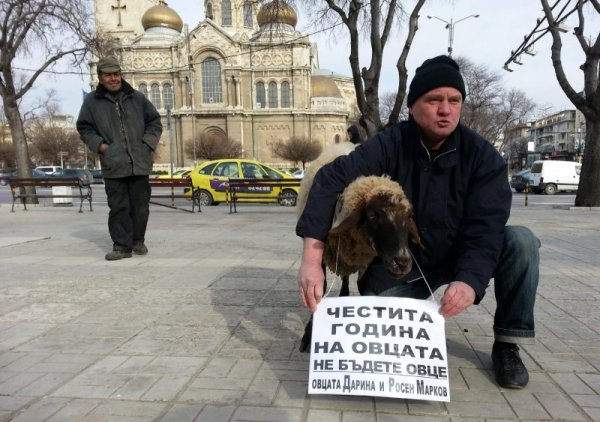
(486, 40)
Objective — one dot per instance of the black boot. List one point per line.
(508, 366)
(118, 252)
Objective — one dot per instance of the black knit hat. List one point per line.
(434, 73)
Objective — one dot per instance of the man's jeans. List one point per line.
(515, 285)
(129, 202)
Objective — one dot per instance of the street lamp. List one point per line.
(450, 27)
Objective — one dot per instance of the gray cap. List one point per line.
(108, 65)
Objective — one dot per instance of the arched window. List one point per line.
(211, 81)
(226, 13)
(168, 96)
(209, 11)
(248, 14)
(155, 95)
(285, 95)
(337, 139)
(143, 88)
(260, 95)
(273, 95)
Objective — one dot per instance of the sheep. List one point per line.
(375, 219)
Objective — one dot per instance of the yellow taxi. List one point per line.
(212, 180)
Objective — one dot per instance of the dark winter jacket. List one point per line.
(461, 197)
(354, 135)
(131, 126)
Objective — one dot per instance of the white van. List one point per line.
(48, 169)
(551, 176)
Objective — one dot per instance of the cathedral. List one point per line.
(243, 73)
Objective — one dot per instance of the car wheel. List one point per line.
(288, 198)
(204, 198)
(3, 182)
(550, 189)
(519, 189)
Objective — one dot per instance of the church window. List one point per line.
(168, 96)
(155, 95)
(248, 14)
(260, 95)
(337, 139)
(211, 81)
(285, 95)
(143, 88)
(209, 11)
(226, 13)
(273, 95)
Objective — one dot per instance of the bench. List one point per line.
(18, 189)
(174, 183)
(258, 190)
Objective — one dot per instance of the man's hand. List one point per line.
(457, 297)
(310, 276)
(103, 147)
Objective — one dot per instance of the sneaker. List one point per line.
(508, 366)
(140, 249)
(117, 253)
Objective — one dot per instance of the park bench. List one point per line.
(79, 190)
(259, 190)
(174, 183)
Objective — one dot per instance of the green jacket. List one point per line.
(131, 126)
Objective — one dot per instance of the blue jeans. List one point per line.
(515, 285)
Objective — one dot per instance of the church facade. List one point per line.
(243, 73)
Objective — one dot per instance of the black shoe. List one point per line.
(118, 252)
(508, 366)
(140, 249)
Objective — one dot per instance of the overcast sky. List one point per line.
(487, 40)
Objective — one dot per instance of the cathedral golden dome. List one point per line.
(162, 16)
(323, 86)
(277, 11)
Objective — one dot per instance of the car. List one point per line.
(48, 169)
(4, 175)
(84, 175)
(552, 176)
(4, 179)
(178, 174)
(211, 180)
(97, 176)
(519, 180)
(298, 174)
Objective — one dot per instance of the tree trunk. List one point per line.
(588, 194)
(11, 111)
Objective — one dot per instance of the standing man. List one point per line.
(354, 135)
(121, 125)
(458, 185)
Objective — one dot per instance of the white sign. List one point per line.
(379, 346)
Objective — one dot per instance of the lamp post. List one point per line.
(450, 27)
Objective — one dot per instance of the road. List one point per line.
(519, 199)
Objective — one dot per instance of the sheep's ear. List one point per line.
(349, 223)
(413, 232)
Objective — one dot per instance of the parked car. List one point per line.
(97, 176)
(519, 180)
(34, 173)
(4, 175)
(212, 178)
(84, 175)
(298, 174)
(178, 174)
(551, 176)
(48, 169)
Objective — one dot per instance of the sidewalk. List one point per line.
(206, 326)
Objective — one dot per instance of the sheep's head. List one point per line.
(384, 223)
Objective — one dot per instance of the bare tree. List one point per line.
(378, 18)
(588, 101)
(298, 149)
(53, 29)
(50, 142)
(212, 147)
(489, 108)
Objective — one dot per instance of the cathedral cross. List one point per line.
(118, 8)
